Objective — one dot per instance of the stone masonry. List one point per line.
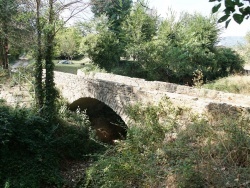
(117, 92)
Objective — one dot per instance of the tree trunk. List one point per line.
(50, 91)
(1, 52)
(5, 54)
(5, 38)
(39, 93)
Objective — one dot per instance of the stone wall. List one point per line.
(119, 91)
(16, 95)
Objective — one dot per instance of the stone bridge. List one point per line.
(93, 91)
(106, 96)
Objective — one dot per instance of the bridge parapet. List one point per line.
(141, 84)
(120, 91)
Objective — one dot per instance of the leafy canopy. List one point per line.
(237, 10)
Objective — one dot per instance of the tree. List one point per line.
(138, 27)
(39, 94)
(68, 41)
(237, 10)
(46, 30)
(102, 46)
(115, 10)
(8, 10)
(184, 46)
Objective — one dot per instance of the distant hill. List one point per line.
(232, 41)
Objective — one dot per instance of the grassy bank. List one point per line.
(34, 153)
(169, 147)
(71, 68)
(233, 84)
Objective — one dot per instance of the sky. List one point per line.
(202, 6)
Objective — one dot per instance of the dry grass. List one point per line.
(233, 84)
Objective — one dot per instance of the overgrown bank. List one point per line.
(232, 84)
(33, 151)
(168, 147)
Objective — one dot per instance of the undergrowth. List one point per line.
(167, 146)
(32, 151)
(232, 84)
(92, 68)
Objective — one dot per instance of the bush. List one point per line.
(168, 146)
(228, 62)
(232, 84)
(102, 46)
(32, 150)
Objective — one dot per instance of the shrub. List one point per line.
(102, 46)
(168, 146)
(233, 84)
(32, 150)
(228, 62)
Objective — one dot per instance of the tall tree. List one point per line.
(50, 92)
(39, 95)
(115, 10)
(8, 9)
(53, 22)
(139, 27)
(68, 41)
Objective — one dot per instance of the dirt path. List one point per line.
(20, 63)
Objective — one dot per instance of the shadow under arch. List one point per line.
(107, 124)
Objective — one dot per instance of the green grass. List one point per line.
(71, 68)
(233, 84)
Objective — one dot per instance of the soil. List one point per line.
(73, 172)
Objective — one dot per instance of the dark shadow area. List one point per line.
(108, 125)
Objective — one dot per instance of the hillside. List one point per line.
(231, 41)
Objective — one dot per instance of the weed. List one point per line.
(198, 78)
(200, 154)
(92, 68)
(32, 150)
(232, 84)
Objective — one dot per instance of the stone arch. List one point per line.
(105, 121)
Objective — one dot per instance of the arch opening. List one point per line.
(107, 124)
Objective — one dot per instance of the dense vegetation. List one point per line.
(171, 147)
(33, 151)
(167, 49)
(166, 145)
(233, 84)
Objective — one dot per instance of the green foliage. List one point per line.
(170, 50)
(232, 84)
(228, 62)
(92, 68)
(68, 41)
(168, 146)
(236, 9)
(114, 10)
(32, 149)
(103, 49)
(136, 161)
(184, 46)
(139, 27)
